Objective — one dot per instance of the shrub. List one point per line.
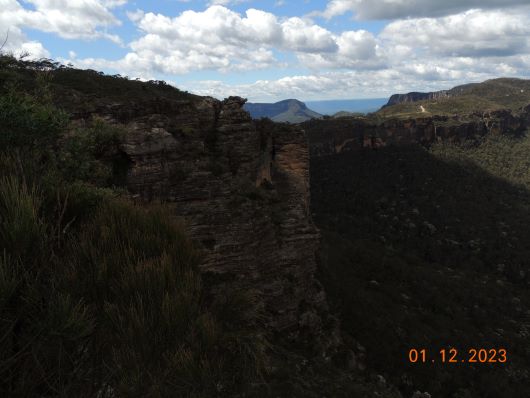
(92, 154)
(43, 330)
(118, 307)
(26, 123)
(100, 297)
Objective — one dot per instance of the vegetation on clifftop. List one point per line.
(100, 296)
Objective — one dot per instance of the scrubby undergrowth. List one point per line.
(100, 297)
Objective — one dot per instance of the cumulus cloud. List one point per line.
(16, 41)
(355, 50)
(418, 53)
(410, 54)
(18, 44)
(413, 54)
(473, 33)
(223, 2)
(330, 85)
(395, 9)
(80, 19)
(219, 25)
(221, 39)
(431, 75)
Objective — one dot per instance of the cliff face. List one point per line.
(243, 193)
(415, 96)
(330, 137)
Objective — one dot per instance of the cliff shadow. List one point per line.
(419, 252)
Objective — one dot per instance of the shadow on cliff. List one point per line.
(424, 253)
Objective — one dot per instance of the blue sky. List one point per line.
(275, 49)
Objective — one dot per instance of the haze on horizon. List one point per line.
(271, 50)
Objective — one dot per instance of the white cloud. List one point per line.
(409, 54)
(17, 43)
(428, 76)
(395, 9)
(473, 33)
(79, 19)
(299, 35)
(220, 39)
(223, 2)
(423, 54)
(355, 50)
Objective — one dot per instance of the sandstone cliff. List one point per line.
(329, 137)
(415, 96)
(242, 190)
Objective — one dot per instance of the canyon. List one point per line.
(329, 137)
(356, 237)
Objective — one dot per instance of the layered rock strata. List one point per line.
(415, 96)
(328, 137)
(242, 192)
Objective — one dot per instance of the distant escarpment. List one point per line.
(501, 93)
(328, 137)
(415, 96)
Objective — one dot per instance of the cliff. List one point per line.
(242, 190)
(501, 93)
(415, 96)
(329, 137)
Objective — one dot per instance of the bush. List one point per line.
(120, 307)
(92, 154)
(26, 123)
(100, 297)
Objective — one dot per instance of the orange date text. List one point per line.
(454, 355)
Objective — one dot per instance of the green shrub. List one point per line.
(21, 230)
(154, 335)
(99, 297)
(26, 123)
(43, 330)
(91, 154)
(119, 306)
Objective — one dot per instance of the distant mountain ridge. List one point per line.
(501, 90)
(290, 110)
(331, 107)
(494, 94)
(415, 96)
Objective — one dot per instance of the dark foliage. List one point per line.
(100, 297)
(429, 250)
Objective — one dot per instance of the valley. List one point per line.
(425, 224)
(190, 250)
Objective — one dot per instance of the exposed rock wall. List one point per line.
(415, 96)
(243, 193)
(329, 137)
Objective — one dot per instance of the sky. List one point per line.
(276, 49)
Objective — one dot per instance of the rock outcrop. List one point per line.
(243, 193)
(415, 96)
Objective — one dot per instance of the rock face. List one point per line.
(328, 137)
(415, 96)
(243, 193)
